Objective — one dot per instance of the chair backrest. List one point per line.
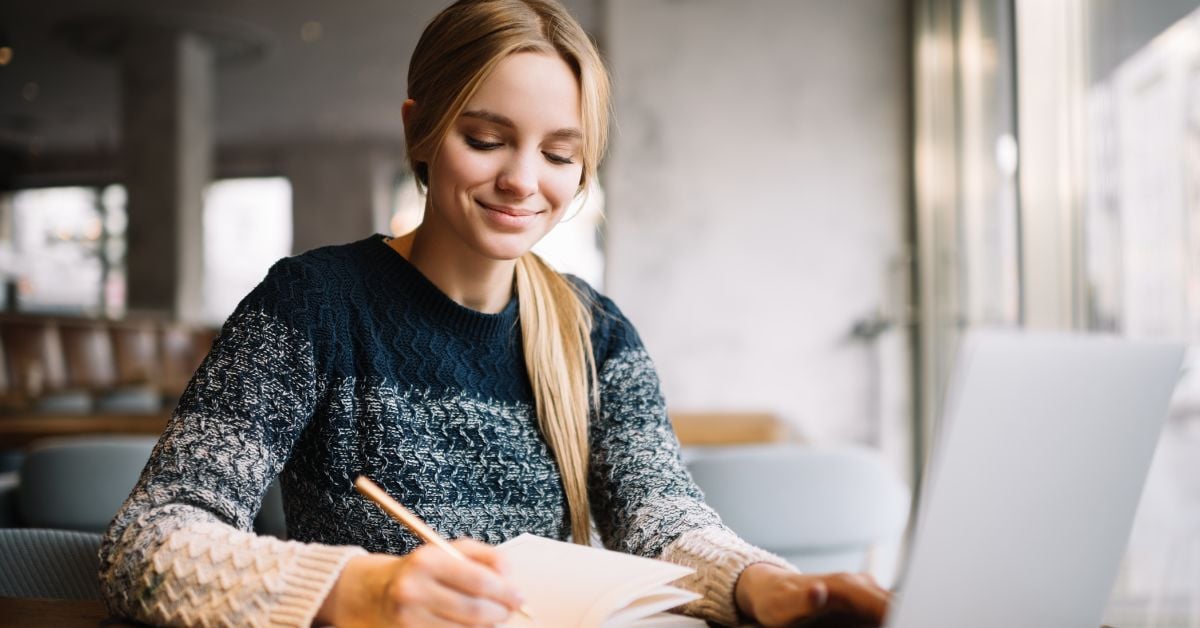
(6, 384)
(34, 355)
(55, 564)
(183, 349)
(823, 509)
(78, 483)
(88, 349)
(135, 347)
(270, 518)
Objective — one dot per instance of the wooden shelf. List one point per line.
(19, 430)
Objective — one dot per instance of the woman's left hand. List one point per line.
(777, 597)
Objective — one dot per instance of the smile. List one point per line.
(510, 219)
(511, 211)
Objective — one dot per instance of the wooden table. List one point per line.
(692, 428)
(22, 613)
(27, 613)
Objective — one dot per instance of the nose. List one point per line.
(518, 177)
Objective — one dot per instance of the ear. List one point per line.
(406, 110)
(406, 114)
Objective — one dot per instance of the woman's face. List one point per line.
(512, 162)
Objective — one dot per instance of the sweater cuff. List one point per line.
(719, 556)
(306, 584)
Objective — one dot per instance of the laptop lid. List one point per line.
(1032, 487)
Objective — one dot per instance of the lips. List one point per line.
(515, 212)
(507, 219)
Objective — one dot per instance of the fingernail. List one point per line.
(820, 594)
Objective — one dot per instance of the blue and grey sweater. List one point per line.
(347, 360)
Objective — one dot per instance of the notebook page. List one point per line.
(650, 604)
(565, 584)
(668, 620)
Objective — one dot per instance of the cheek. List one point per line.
(560, 187)
(457, 169)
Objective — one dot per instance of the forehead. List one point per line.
(536, 91)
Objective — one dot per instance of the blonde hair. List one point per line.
(457, 51)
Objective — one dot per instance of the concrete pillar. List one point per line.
(340, 193)
(167, 144)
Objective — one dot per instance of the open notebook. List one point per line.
(565, 584)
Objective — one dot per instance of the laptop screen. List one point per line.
(1033, 484)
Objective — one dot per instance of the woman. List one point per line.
(487, 392)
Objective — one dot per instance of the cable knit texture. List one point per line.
(346, 360)
(718, 556)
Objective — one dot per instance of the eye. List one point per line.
(479, 144)
(558, 159)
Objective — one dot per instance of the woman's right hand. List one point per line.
(428, 587)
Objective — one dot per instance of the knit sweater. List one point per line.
(347, 360)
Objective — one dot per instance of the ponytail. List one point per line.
(556, 329)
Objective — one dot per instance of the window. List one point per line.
(62, 250)
(1141, 237)
(247, 228)
(1106, 234)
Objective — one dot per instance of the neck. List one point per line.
(473, 281)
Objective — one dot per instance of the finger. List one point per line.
(453, 606)
(419, 593)
(472, 578)
(857, 594)
(794, 597)
(426, 617)
(818, 595)
(484, 553)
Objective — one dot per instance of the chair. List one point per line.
(88, 350)
(56, 564)
(91, 366)
(78, 483)
(36, 367)
(822, 509)
(33, 350)
(135, 346)
(10, 397)
(8, 500)
(270, 519)
(183, 349)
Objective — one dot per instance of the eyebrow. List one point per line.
(495, 118)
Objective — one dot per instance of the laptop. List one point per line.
(1032, 486)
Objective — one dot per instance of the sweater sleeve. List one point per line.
(180, 550)
(643, 498)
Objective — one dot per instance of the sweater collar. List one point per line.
(406, 281)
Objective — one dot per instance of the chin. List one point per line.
(505, 248)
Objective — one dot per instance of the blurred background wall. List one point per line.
(756, 206)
